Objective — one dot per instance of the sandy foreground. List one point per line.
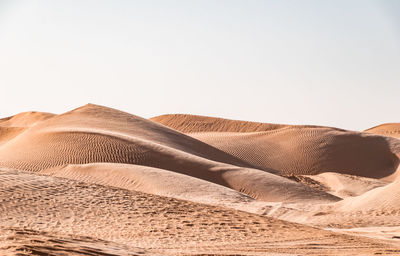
(98, 181)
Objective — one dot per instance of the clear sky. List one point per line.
(332, 62)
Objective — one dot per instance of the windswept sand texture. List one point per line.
(99, 181)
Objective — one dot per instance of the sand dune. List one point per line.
(98, 181)
(305, 150)
(98, 134)
(88, 214)
(390, 129)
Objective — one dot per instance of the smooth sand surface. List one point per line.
(99, 181)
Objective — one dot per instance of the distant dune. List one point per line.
(195, 123)
(390, 129)
(12, 126)
(99, 181)
(25, 119)
(297, 150)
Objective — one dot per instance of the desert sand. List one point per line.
(99, 181)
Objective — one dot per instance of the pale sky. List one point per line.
(332, 62)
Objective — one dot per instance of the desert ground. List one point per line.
(99, 181)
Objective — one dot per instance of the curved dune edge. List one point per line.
(388, 129)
